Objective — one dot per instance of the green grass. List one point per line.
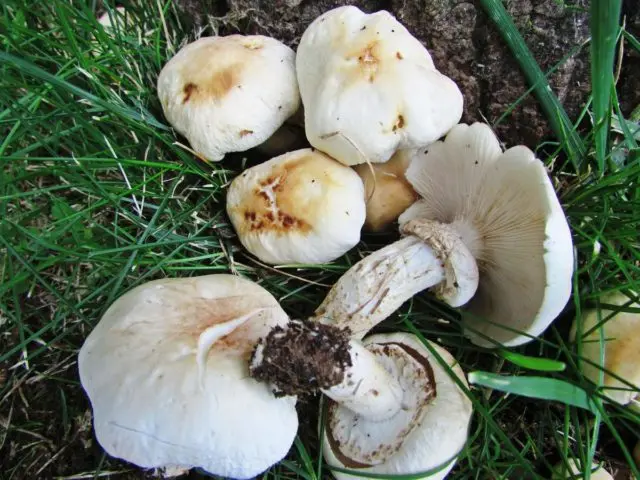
(97, 196)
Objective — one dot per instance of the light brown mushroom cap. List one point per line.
(229, 94)
(387, 191)
(621, 341)
(166, 370)
(370, 88)
(301, 207)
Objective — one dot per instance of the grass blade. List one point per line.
(535, 387)
(533, 363)
(604, 33)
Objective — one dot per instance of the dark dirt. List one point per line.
(464, 45)
(303, 357)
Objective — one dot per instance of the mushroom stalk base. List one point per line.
(305, 357)
(379, 284)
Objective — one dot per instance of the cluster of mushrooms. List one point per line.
(205, 371)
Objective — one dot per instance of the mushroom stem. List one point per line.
(367, 389)
(432, 255)
(304, 357)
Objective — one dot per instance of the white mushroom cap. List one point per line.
(229, 94)
(573, 469)
(621, 340)
(370, 88)
(387, 191)
(506, 211)
(166, 370)
(301, 207)
(440, 427)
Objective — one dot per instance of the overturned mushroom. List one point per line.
(621, 345)
(166, 370)
(301, 207)
(488, 233)
(387, 191)
(229, 94)
(394, 409)
(370, 88)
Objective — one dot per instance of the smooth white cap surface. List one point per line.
(439, 433)
(166, 370)
(508, 215)
(300, 207)
(621, 341)
(370, 88)
(229, 94)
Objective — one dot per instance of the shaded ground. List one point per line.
(464, 45)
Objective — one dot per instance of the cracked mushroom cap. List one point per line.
(300, 207)
(387, 191)
(166, 370)
(621, 347)
(435, 409)
(370, 88)
(508, 215)
(229, 94)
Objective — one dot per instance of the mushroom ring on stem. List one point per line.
(229, 94)
(166, 371)
(394, 409)
(300, 207)
(488, 233)
(370, 88)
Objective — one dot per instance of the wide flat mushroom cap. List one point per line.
(162, 397)
(444, 425)
(229, 94)
(505, 208)
(621, 340)
(370, 88)
(300, 207)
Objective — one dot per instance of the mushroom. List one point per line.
(370, 88)
(391, 399)
(573, 469)
(621, 347)
(300, 207)
(387, 191)
(488, 233)
(229, 94)
(166, 371)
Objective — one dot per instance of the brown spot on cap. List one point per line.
(368, 60)
(399, 56)
(399, 123)
(223, 81)
(244, 133)
(188, 90)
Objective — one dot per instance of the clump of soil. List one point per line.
(301, 357)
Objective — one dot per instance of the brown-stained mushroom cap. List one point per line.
(300, 207)
(387, 191)
(229, 94)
